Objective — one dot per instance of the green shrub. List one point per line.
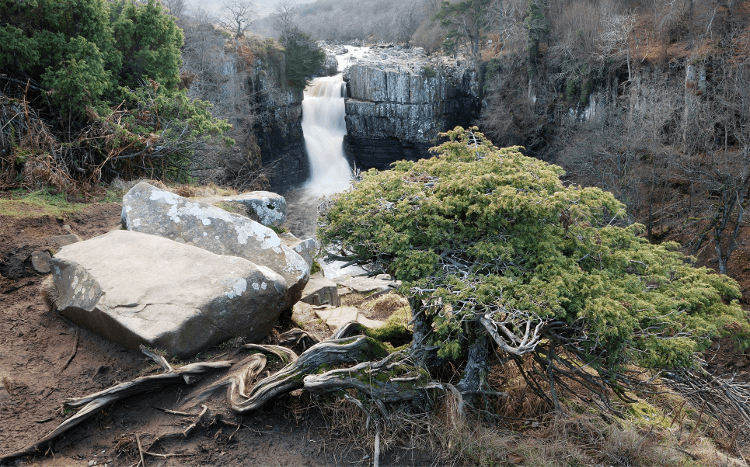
(491, 243)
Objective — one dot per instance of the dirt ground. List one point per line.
(45, 359)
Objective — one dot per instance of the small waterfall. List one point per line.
(324, 128)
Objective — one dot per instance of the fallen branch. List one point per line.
(193, 425)
(95, 402)
(296, 336)
(140, 449)
(175, 412)
(72, 355)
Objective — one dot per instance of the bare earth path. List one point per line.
(45, 359)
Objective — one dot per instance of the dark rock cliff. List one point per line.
(278, 128)
(399, 100)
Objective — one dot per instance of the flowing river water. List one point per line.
(324, 128)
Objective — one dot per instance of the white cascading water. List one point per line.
(324, 128)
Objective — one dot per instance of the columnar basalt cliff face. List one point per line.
(278, 127)
(399, 100)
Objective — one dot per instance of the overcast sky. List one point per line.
(263, 7)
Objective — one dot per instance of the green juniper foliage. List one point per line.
(480, 232)
(304, 58)
(84, 60)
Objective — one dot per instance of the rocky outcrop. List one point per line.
(278, 126)
(150, 210)
(133, 289)
(399, 100)
(261, 206)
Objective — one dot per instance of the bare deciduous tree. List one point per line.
(236, 15)
(175, 7)
(284, 20)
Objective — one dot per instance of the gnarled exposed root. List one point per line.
(391, 379)
(319, 356)
(95, 402)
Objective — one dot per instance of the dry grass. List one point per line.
(382, 306)
(581, 435)
(119, 187)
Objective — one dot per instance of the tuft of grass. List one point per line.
(22, 203)
(315, 267)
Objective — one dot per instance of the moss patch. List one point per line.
(43, 202)
(395, 331)
(234, 208)
(646, 414)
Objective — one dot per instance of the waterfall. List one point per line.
(324, 128)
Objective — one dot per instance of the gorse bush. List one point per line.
(496, 251)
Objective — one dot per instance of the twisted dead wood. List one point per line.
(93, 403)
(289, 378)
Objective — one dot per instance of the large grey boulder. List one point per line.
(261, 206)
(306, 248)
(134, 288)
(150, 210)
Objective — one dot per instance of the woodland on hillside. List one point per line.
(649, 99)
(528, 283)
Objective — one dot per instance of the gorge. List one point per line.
(392, 102)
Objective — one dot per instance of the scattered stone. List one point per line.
(60, 241)
(321, 291)
(261, 206)
(151, 210)
(305, 248)
(40, 261)
(368, 285)
(338, 316)
(134, 288)
(370, 323)
(332, 317)
(302, 314)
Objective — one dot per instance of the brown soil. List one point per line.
(45, 359)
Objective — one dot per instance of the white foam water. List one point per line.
(324, 128)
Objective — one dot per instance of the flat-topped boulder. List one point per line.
(379, 284)
(261, 206)
(133, 288)
(320, 290)
(154, 211)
